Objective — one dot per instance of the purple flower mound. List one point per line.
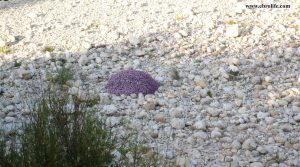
(131, 82)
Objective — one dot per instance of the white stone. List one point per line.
(200, 125)
(296, 109)
(209, 23)
(2, 43)
(236, 144)
(117, 155)
(232, 30)
(110, 108)
(261, 149)
(201, 135)
(31, 15)
(199, 81)
(262, 115)
(177, 35)
(177, 123)
(134, 40)
(269, 120)
(140, 52)
(177, 112)
(227, 106)
(216, 133)
(83, 60)
(233, 61)
(104, 99)
(11, 38)
(114, 35)
(238, 102)
(149, 105)
(257, 31)
(256, 164)
(160, 118)
(298, 51)
(249, 144)
(268, 78)
(169, 154)
(297, 117)
(239, 7)
(9, 119)
(104, 55)
(181, 162)
(2, 114)
(86, 45)
(141, 115)
(159, 79)
(183, 33)
(233, 68)
(296, 162)
(9, 108)
(112, 121)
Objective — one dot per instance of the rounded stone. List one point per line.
(149, 105)
(154, 134)
(177, 123)
(176, 112)
(297, 146)
(160, 118)
(268, 79)
(216, 133)
(256, 164)
(134, 40)
(249, 144)
(297, 117)
(232, 30)
(199, 125)
(9, 119)
(86, 45)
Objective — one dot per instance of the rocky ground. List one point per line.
(228, 97)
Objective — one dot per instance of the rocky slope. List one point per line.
(230, 96)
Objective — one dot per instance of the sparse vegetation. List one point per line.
(178, 17)
(233, 74)
(17, 64)
(231, 22)
(4, 50)
(209, 93)
(1, 92)
(48, 49)
(63, 75)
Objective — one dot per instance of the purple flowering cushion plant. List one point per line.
(131, 82)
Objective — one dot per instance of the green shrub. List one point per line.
(60, 135)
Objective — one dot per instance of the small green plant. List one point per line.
(17, 64)
(233, 74)
(141, 154)
(178, 17)
(4, 50)
(63, 75)
(209, 93)
(231, 22)
(48, 49)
